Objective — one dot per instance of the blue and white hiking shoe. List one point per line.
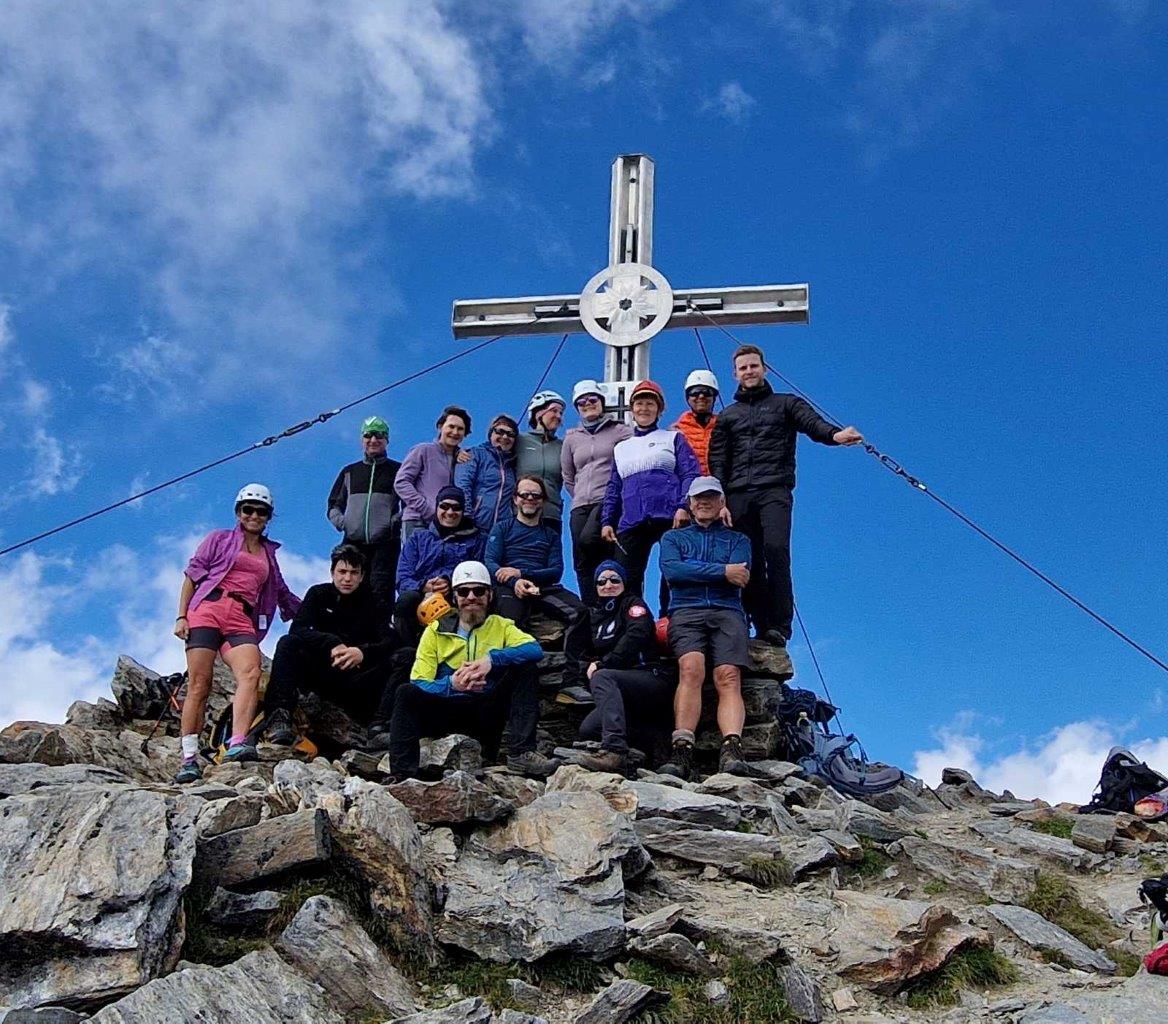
(241, 752)
(189, 772)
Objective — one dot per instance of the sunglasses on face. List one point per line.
(588, 400)
(255, 510)
(375, 437)
(700, 393)
(608, 581)
(472, 591)
(503, 431)
(529, 495)
(449, 506)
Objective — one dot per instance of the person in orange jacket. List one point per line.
(697, 423)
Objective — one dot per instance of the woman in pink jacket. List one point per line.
(231, 588)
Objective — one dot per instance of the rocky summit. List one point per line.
(317, 891)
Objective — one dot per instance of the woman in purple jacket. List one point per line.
(231, 588)
(427, 468)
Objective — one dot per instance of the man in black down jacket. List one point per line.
(340, 645)
(752, 451)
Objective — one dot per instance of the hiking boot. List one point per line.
(774, 638)
(188, 773)
(532, 762)
(680, 763)
(241, 752)
(377, 738)
(279, 728)
(605, 761)
(731, 759)
(580, 696)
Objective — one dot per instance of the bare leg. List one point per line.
(200, 663)
(244, 662)
(687, 702)
(731, 710)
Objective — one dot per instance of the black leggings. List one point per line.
(634, 546)
(635, 702)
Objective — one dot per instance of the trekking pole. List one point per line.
(171, 702)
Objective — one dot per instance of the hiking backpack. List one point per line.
(807, 741)
(1125, 779)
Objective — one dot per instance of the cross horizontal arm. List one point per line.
(560, 314)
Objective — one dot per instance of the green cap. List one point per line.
(375, 425)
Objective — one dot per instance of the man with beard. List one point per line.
(475, 673)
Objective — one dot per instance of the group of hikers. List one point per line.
(445, 556)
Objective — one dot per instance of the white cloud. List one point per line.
(43, 673)
(5, 327)
(1063, 765)
(54, 468)
(36, 397)
(732, 102)
(557, 29)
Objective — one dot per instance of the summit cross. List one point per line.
(630, 302)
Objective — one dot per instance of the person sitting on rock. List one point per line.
(614, 649)
(707, 564)
(429, 557)
(340, 646)
(231, 588)
(526, 560)
(474, 673)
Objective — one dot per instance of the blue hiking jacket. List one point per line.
(426, 555)
(534, 550)
(694, 559)
(651, 473)
(488, 481)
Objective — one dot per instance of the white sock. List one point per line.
(190, 746)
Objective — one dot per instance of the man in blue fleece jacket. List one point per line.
(526, 561)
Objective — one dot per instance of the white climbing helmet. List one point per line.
(540, 401)
(255, 492)
(469, 572)
(701, 379)
(588, 386)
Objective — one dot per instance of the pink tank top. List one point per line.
(247, 576)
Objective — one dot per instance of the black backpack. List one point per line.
(1125, 779)
(807, 741)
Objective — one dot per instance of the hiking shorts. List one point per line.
(717, 633)
(218, 625)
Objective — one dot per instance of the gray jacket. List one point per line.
(362, 503)
(538, 456)
(586, 460)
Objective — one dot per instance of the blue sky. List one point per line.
(218, 220)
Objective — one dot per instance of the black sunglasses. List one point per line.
(255, 510)
(529, 495)
(700, 393)
(607, 581)
(503, 431)
(449, 506)
(370, 437)
(472, 591)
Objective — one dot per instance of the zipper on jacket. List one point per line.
(369, 497)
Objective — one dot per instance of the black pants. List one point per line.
(509, 703)
(381, 567)
(632, 702)
(365, 693)
(633, 549)
(556, 601)
(766, 519)
(588, 550)
(405, 616)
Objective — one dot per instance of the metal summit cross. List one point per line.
(629, 302)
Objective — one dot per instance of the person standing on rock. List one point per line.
(538, 452)
(474, 673)
(586, 462)
(231, 588)
(613, 650)
(707, 565)
(752, 452)
(697, 422)
(487, 476)
(428, 467)
(526, 561)
(430, 556)
(341, 646)
(365, 508)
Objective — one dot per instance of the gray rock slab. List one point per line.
(259, 988)
(93, 881)
(509, 1016)
(655, 801)
(675, 952)
(1039, 933)
(807, 854)
(219, 816)
(104, 714)
(327, 945)
(703, 845)
(466, 1011)
(242, 910)
(457, 798)
(971, 868)
(1094, 832)
(290, 842)
(1055, 1013)
(768, 661)
(803, 995)
(1054, 849)
(1139, 1000)
(451, 753)
(656, 923)
(774, 771)
(16, 779)
(620, 1002)
(41, 1015)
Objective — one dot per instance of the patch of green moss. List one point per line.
(475, 977)
(875, 861)
(967, 969)
(767, 872)
(568, 972)
(1061, 827)
(756, 995)
(1055, 899)
(935, 888)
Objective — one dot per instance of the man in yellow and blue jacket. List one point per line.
(474, 673)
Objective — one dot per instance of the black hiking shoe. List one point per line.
(731, 759)
(774, 638)
(377, 738)
(279, 728)
(680, 763)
